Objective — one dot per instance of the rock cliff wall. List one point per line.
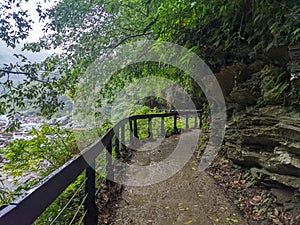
(263, 129)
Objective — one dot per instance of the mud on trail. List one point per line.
(188, 197)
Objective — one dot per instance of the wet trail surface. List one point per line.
(188, 197)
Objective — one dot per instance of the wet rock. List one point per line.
(52, 122)
(272, 179)
(267, 139)
(226, 78)
(243, 96)
(283, 196)
(63, 120)
(278, 55)
(26, 127)
(289, 206)
(143, 158)
(28, 121)
(29, 114)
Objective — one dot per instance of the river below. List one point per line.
(28, 122)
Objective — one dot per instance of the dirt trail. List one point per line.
(188, 197)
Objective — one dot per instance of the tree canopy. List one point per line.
(220, 31)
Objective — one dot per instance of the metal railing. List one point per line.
(28, 208)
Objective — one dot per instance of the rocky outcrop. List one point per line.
(263, 129)
(267, 140)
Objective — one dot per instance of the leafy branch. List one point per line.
(127, 38)
(24, 73)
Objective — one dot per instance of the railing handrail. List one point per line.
(168, 114)
(23, 211)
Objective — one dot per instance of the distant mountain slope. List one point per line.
(7, 54)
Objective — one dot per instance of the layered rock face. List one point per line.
(267, 140)
(263, 129)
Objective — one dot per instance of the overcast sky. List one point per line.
(6, 53)
(37, 27)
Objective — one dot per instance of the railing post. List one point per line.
(123, 137)
(187, 121)
(175, 124)
(162, 127)
(109, 167)
(130, 131)
(117, 143)
(135, 129)
(200, 120)
(150, 128)
(196, 121)
(91, 217)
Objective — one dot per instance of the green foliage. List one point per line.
(5, 195)
(210, 28)
(250, 180)
(45, 150)
(274, 85)
(15, 22)
(202, 143)
(156, 122)
(143, 124)
(217, 30)
(86, 30)
(52, 211)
